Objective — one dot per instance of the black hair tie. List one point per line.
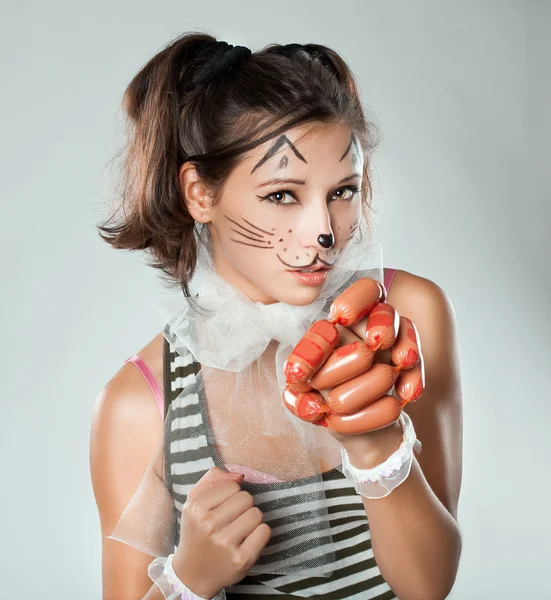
(289, 50)
(221, 58)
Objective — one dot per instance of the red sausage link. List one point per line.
(405, 352)
(358, 399)
(355, 394)
(377, 415)
(410, 384)
(343, 364)
(311, 351)
(356, 302)
(308, 406)
(382, 327)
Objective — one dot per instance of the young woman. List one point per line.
(248, 180)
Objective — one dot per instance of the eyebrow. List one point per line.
(302, 181)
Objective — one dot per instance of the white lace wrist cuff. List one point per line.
(379, 481)
(161, 572)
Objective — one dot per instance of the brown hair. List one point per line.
(214, 124)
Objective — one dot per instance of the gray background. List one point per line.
(462, 186)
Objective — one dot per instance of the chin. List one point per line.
(299, 295)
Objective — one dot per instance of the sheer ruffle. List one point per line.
(168, 585)
(241, 347)
(383, 478)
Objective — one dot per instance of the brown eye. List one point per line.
(278, 197)
(353, 191)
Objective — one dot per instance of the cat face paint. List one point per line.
(275, 206)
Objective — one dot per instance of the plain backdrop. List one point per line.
(461, 92)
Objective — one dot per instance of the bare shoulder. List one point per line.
(152, 353)
(438, 415)
(126, 429)
(410, 292)
(126, 424)
(432, 311)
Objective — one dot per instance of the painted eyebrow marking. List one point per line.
(283, 162)
(281, 140)
(352, 141)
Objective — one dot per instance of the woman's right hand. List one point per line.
(221, 534)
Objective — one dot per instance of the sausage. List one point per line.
(356, 302)
(358, 399)
(376, 415)
(343, 364)
(354, 394)
(311, 351)
(382, 327)
(308, 406)
(410, 384)
(405, 352)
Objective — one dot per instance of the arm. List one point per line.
(126, 429)
(414, 531)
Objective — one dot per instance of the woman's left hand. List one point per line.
(347, 389)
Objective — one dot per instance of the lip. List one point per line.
(318, 268)
(315, 278)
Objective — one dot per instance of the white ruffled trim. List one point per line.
(380, 480)
(162, 574)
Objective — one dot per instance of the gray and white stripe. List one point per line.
(356, 575)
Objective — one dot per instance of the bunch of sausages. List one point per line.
(358, 399)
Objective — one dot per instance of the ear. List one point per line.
(195, 194)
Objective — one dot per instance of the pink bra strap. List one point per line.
(389, 276)
(151, 381)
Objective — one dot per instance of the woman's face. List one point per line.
(290, 206)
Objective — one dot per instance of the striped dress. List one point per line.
(188, 456)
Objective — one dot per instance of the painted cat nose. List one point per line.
(325, 240)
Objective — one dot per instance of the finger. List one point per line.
(356, 302)
(213, 475)
(382, 356)
(384, 292)
(231, 509)
(211, 497)
(311, 351)
(354, 394)
(243, 525)
(347, 336)
(377, 415)
(343, 364)
(405, 352)
(306, 405)
(410, 384)
(382, 327)
(253, 545)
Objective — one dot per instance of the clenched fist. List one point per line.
(333, 377)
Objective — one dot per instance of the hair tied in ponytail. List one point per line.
(222, 56)
(289, 50)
